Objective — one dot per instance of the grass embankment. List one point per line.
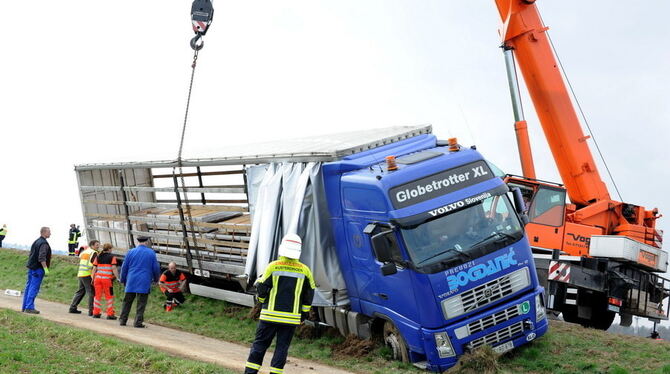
(209, 317)
(34, 345)
(565, 349)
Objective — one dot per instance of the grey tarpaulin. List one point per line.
(291, 198)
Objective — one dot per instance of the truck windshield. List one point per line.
(464, 234)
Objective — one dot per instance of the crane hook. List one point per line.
(197, 42)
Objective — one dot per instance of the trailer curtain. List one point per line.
(290, 198)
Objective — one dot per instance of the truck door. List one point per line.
(393, 291)
(547, 215)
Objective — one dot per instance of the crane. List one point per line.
(611, 250)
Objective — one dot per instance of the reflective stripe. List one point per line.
(306, 308)
(273, 292)
(276, 371)
(280, 314)
(251, 365)
(261, 299)
(288, 274)
(280, 320)
(296, 295)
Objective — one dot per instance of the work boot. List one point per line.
(122, 322)
(140, 326)
(74, 311)
(32, 311)
(112, 317)
(90, 313)
(96, 316)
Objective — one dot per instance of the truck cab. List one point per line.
(433, 251)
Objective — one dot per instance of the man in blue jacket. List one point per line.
(140, 268)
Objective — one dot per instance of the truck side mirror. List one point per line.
(385, 248)
(520, 205)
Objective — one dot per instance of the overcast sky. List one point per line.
(89, 81)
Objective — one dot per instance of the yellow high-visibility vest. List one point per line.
(85, 264)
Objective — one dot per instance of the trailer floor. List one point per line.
(180, 343)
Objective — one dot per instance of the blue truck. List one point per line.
(413, 241)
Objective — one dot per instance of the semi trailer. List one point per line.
(412, 240)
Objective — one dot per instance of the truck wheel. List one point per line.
(394, 340)
(602, 320)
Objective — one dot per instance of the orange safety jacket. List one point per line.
(104, 264)
(171, 281)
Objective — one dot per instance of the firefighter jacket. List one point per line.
(286, 290)
(86, 259)
(74, 236)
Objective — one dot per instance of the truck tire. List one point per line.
(602, 320)
(394, 340)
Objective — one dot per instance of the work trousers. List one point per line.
(70, 248)
(142, 299)
(32, 288)
(175, 297)
(103, 287)
(265, 332)
(85, 287)
(2, 237)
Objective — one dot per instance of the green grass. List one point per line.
(569, 348)
(565, 349)
(213, 318)
(35, 345)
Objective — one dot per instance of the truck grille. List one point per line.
(488, 321)
(499, 336)
(485, 294)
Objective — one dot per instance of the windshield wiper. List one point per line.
(501, 234)
(460, 252)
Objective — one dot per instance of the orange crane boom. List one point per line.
(524, 33)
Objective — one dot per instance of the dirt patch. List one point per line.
(234, 311)
(481, 361)
(255, 312)
(305, 331)
(353, 347)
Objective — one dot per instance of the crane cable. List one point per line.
(202, 13)
(180, 163)
(581, 111)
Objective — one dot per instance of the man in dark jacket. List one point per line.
(38, 264)
(140, 268)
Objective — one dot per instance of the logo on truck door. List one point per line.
(439, 184)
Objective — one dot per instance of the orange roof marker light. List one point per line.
(453, 145)
(391, 164)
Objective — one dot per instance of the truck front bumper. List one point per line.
(507, 326)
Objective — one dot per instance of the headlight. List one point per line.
(443, 344)
(540, 313)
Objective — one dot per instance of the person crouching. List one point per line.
(104, 272)
(172, 283)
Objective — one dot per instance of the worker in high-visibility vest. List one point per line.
(285, 290)
(73, 239)
(86, 259)
(103, 274)
(3, 233)
(172, 283)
